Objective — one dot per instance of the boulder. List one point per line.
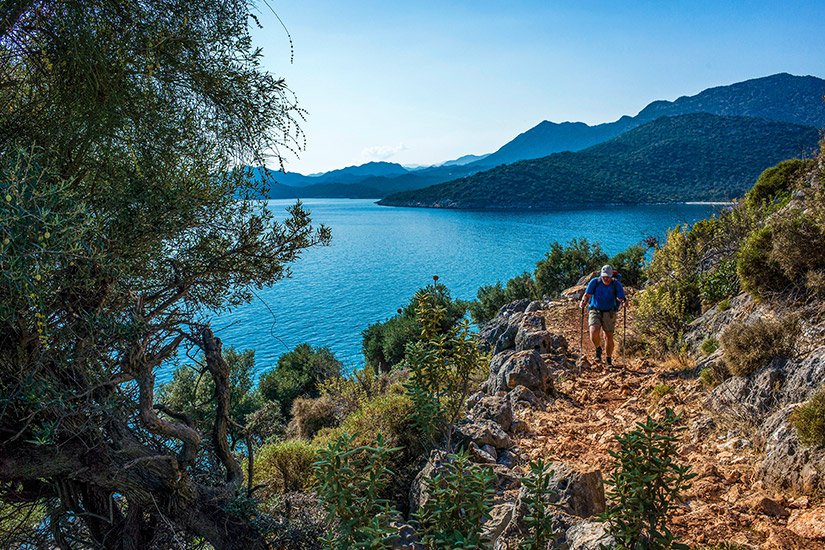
(589, 535)
(481, 432)
(499, 333)
(482, 456)
(787, 464)
(407, 538)
(510, 369)
(521, 395)
(500, 516)
(808, 523)
(418, 490)
(532, 334)
(497, 409)
(534, 307)
(579, 493)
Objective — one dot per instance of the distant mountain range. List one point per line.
(781, 97)
(694, 157)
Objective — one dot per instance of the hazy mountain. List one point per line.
(694, 157)
(782, 97)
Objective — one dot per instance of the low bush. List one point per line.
(539, 498)
(300, 523)
(285, 466)
(309, 415)
(299, 373)
(809, 420)
(646, 485)
(663, 312)
(719, 283)
(630, 264)
(774, 183)
(748, 347)
(460, 500)
(490, 298)
(709, 345)
(350, 393)
(759, 273)
(564, 265)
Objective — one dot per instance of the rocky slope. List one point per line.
(756, 486)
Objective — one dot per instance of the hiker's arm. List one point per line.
(585, 299)
(622, 297)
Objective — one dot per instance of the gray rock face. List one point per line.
(589, 535)
(534, 307)
(500, 516)
(510, 369)
(533, 334)
(578, 493)
(780, 383)
(787, 463)
(497, 409)
(499, 333)
(521, 395)
(481, 432)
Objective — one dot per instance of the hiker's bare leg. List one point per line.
(595, 335)
(609, 347)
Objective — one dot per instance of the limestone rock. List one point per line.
(808, 523)
(787, 464)
(500, 516)
(534, 307)
(497, 409)
(511, 369)
(521, 395)
(418, 490)
(589, 535)
(579, 493)
(481, 432)
(499, 333)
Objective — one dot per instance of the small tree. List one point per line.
(441, 364)
(299, 373)
(460, 499)
(645, 486)
(350, 480)
(563, 266)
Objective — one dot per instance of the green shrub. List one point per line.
(563, 266)
(384, 344)
(645, 485)
(660, 390)
(809, 420)
(490, 298)
(285, 466)
(709, 345)
(708, 378)
(350, 481)
(299, 373)
(748, 347)
(774, 183)
(720, 282)
(442, 364)
(663, 312)
(630, 264)
(460, 499)
(723, 304)
(798, 244)
(539, 521)
(757, 270)
(310, 415)
(350, 393)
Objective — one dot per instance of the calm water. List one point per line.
(380, 256)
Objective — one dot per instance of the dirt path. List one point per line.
(579, 427)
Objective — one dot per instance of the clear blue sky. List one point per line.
(423, 82)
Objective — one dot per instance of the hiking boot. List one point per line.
(598, 355)
(609, 361)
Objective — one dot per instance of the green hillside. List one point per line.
(695, 157)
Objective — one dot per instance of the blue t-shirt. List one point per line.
(602, 296)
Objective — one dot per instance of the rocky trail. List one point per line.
(725, 508)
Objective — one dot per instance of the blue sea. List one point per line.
(380, 256)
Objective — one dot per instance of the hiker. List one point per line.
(603, 296)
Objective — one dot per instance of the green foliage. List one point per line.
(539, 521)
(384, 344)
(630, 263)
(695, 157)
(774, 183)
(126, 224)
(490, 298)
(460, 499)
(749, 347)
(192, 392)
(809, 420)
(442, 364)
(708, 378)
(723, 304)
(563, 266)
(299, 373)
(757, 270)
(719, 283)
(285, 466)
(660, 390)
(350, 480)
(645, 485)
(709, 345)
(663, 312)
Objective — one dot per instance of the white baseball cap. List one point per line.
(607, 271)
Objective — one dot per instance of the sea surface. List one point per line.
(380, 256)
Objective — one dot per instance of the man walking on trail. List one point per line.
(603, 296)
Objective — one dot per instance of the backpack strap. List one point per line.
(615, 295)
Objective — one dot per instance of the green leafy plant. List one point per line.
(442, 364)
(809, 420)
(299, 373)
(645, 485)
(350, 480)
(285, 466)
(460, 498)
(709, 345)
(564, 265)
(538, 501)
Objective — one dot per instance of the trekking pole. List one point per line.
(624, 335)
(581, 342)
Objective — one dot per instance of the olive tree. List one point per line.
(126, 221)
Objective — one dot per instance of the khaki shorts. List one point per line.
(604, 319)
